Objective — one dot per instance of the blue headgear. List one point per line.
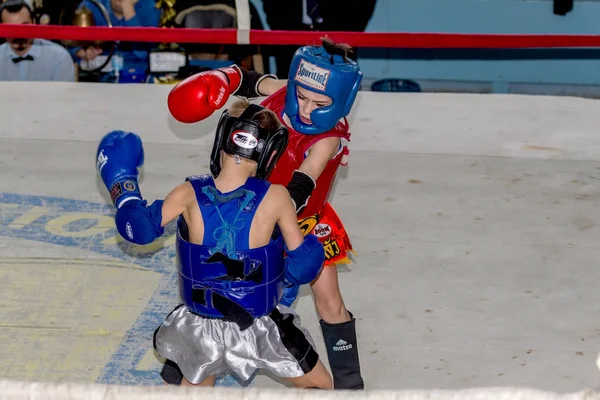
(314, 69)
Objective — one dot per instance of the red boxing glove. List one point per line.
(198, 96)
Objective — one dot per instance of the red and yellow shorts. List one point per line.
(328, 227)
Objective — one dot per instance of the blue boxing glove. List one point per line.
(304, 264)
(117, 160)
(290, 292)
(118, 157)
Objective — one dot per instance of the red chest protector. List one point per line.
(294, 155)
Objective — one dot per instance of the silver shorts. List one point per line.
(200, 347)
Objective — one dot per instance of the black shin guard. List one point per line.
(342, 352)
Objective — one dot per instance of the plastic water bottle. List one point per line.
(117, 64)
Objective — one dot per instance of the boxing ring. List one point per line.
(473, 217)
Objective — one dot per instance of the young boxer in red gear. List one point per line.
(313, 103)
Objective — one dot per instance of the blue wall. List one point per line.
(500, 68)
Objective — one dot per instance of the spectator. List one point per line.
(128, 13)
(314, 15)
(31, 59)
(215, 14)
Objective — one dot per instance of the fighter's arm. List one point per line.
(142, 224)
(304, 180)
(118, 157)
(254, 84)
(305, 255)
(319, 155)
(268, 86)
(286, 218)
(177, 202)
(198, 96)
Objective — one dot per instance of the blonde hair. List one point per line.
(266, 118)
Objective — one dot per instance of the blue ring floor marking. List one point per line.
(121, 368)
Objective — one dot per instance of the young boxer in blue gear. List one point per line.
(233, 230)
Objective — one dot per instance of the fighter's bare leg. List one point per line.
(328, 297)
(318, 378)
(209, 381)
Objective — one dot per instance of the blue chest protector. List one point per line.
(222, 277)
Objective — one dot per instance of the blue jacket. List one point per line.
(135, 54)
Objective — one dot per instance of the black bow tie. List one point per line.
(17, 60)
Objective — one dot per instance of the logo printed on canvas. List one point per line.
(90, 226)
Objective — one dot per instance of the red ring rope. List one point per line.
(258, 37)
